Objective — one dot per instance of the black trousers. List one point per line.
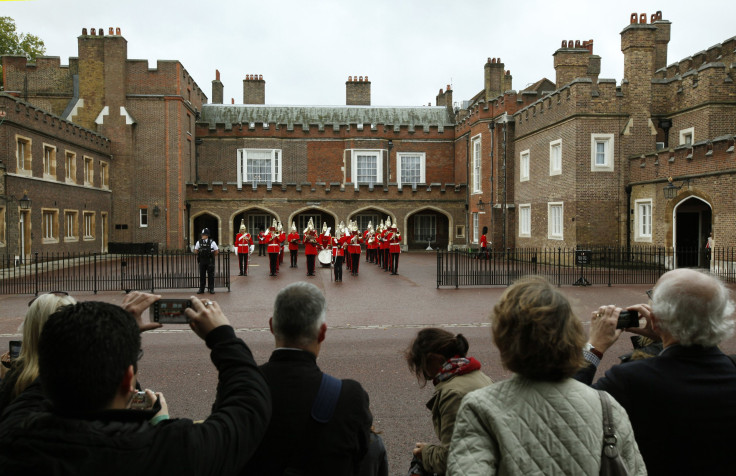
(293, 257)
(273, 261)
(338, 267)
(355, 257)
(386, 259)
(243, 263)
(207, 275)
(310, 264)
(261, 249)
(395, 263)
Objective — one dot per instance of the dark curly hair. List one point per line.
(433, 341)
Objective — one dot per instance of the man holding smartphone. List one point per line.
(88, 358)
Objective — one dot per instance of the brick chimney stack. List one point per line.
(254, 89)
(217, 89)
(357, 91)
(575, 59)
(494, 78)
(661, 40)
(445, 99)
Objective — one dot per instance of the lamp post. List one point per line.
(670, 190)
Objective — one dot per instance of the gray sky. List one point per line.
(409, 49)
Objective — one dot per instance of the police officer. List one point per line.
(206, 250)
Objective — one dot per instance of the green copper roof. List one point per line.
(331, 116)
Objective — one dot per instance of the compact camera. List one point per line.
(170, 311)
(628, 319)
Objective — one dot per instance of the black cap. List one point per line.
(206, 231)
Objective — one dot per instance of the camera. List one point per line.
(628, 319)
(15, 349)
(139, 401)
(170, 311)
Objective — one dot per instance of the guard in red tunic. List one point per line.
(243, 242)
(377, 236)
(395, 249)
(273, 249)
(282, 240)
(339, 243)
(310, 247)
(262, 242)
(354, 249)
(293, 239)
(366, 237)
(484, 243)
(384, 247)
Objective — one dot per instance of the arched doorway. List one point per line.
(301, 219)
(206, 220)
(427, 226)
(692, 223)
(255, 219)
(369, 215)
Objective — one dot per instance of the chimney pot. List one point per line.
(110, 30)
(643, 19)
(84, 31)
(117, 31)
(101, 32)
(493, 61)
(260, 77)
(217, 74)
(634, 18)
(489, 59)
(232, 100)
(361, 79)
(448, 87)
(564, 44)
(366, 78)
(93, 32)
(577, 43)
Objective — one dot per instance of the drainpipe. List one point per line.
(467, 187)
(628, 219)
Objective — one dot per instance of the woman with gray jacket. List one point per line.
(540, 421)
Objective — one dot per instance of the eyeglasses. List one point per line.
(55, 293)
(649, 293)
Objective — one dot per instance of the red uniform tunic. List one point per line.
(293, 239)
(243, 242)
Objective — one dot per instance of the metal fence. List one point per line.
(581, 266)
(107, 272)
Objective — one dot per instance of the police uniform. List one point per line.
(206, 250)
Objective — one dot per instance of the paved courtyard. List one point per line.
(371, 318)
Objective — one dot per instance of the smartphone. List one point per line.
(628, 319)
(14, 349)
(170, 311)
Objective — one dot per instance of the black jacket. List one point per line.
(296, 441)
(123, 442)
(682, 406)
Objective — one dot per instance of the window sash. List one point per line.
(525, 214)
(70, 225)
(524, 169)
(88, 226)
(601, 149)
(476, 235)
(476, 165)
(555, 158)
(425, 228)
(645, 219)
(260, 166)
(143, 217)
(48, 225)
(367, 168)
(555, 221)
(411, 169)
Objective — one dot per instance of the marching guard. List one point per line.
(310, 246)
(354, 249)
(243, 242)
(394, 248)
(294, 240)
(261, 241)
(272, 238)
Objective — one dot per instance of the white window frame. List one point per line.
(49, 161)
(276, 157)
(422, 166)
(50, 225)
(23, 155)
(555, 162)
(71, 230)
(555, 224)
(476, 150)
(475, 227)
(88, 221)
(685, 133)
(643, 229)
(377, 153)
(525, 220)
(104, 175)
(89, 171)
(608, 163)
(524, 166)
(70, 167)
(143, 217)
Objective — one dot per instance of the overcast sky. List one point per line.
(409, 49)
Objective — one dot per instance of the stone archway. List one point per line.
(692, 220)
(428, 225)
(254, 218)
(206, 220)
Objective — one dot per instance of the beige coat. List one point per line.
(444, 405)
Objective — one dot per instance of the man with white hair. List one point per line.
(320, 424)
(681, 403)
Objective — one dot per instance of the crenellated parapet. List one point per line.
(578, 98)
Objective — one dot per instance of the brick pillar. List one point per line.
(493, 78)
(217, 89)
(661, 40)
(571, 62)
(254, 89)
(357, 91)
(445, 99)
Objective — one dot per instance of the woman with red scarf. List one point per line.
(438, 356)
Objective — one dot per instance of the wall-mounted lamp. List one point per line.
(482, 205)
(24, 203)
(3, 113)
(670, 190)
(156, 211)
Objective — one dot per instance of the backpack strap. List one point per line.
(733, 358)
(326, 400)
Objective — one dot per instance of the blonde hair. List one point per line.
(36, 316)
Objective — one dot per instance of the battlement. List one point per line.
(711, 82)
(720, 53)
(576, 98)
(509, 102)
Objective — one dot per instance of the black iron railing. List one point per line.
(106, 272)
(583, 265)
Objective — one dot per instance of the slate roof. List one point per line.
(330, 116)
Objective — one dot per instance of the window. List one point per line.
(460, 231)
(89, 225)
(88, 171)
(363, 221)
(70, 167)
(411, 168)
(70, 225)
(643, 220)
(476, 235)
(687, 136)
(50, 225)
(23, 155)
(425, 228)
(143, 214)
(476, 151)
(554, 220)
(601, 152)
(259, 166)
(524, 166)
(525, 220)
(104, 175)
(366, 167)
(555, 157)
(49, 162)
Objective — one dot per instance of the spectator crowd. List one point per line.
(71, 402)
